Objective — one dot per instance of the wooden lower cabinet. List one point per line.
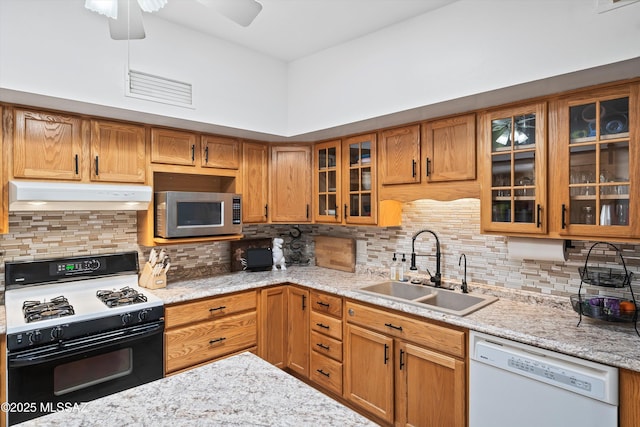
(298, 330)
(201, 331)
(408, 375)
(629, 398)
(272, 332)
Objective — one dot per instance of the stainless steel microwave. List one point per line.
(193, 214)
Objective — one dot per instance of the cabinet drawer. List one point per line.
(211, 308)
(326, 372)
(436, 337)
(326, 325)
(326, 345)
(327, 304)
(195, 344)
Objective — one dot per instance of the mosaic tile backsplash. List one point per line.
(457, 224)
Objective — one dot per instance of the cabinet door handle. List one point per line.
(193, 152)
(564, 213)
(345, 210)
(304, 301)
(76, 162)
(321, 325)
(326, 374)
(206, 154)
(335, 208)
(222, 307)
(391, 325)
(266, 211)
(216, 340)
(428, 167)
(538, 216)
(413, 168)
(323, 304)
(307, 211)
(97, 170)
(386, 353)
(322, 346)
(401, 359)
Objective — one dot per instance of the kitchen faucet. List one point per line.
(437, 278)
(465, 288)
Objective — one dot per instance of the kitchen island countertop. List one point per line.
(242, 390)
(544, 321)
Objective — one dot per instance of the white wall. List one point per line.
(58, 48)
(466, 48)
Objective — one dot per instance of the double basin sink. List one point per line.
(438, 299)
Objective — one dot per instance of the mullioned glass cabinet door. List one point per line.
(598, 142)
(327, 186)
(515, 147)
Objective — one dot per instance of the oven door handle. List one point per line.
(64, 349)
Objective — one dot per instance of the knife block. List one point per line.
(149, 281)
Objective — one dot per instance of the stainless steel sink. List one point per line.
(435, 298)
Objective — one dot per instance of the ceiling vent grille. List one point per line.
(159, 89)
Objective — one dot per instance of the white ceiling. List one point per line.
(292, 29)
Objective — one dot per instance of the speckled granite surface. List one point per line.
(546, 322)
(242, 390)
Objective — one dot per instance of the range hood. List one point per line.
(63, 196)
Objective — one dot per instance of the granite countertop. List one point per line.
(242, 390)
(547, 322)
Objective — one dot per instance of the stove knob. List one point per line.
(126, 318)
(57, 333)
(35, 337)
(143, 315)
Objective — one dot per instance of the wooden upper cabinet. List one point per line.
(255, 182)
(449, 146)
(47, 145)
(220, 152)
(117, 152)
(173, 147)
(290, 183)
(514, 187)
(359, 179)
(327, 182)
(400, 155)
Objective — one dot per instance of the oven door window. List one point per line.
(93, 370)
(200, 214)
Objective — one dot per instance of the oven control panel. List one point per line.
(64, 334)
(65, 268)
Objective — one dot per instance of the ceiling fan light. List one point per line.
(151, 5)
(103, 7)
(242, 12)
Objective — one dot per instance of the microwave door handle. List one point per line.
(38, 356)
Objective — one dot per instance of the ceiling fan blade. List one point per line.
(128, 26)
(242, 12)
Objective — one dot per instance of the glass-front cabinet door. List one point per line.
(327, 185)
(514, 189)
(359, 166)
(599, 149)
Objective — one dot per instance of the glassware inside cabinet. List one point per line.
(599, 163)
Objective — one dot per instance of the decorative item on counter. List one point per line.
(278, 254)
(297, 250)
(154, 273)
(607, 308)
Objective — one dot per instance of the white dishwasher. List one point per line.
(513, 384)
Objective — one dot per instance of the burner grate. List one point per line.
(125, 296)
(37, 310)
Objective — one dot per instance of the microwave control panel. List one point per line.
(237, 211)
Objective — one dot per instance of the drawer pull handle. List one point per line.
(391, 325)
(326, 374)
(323, 304)
(217, 340)
(325, 347)
(401, 359)
(222, 307)
(322, 326)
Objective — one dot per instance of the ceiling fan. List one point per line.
(125, 16)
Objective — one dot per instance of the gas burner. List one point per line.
(56, 307)
(124, 296)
